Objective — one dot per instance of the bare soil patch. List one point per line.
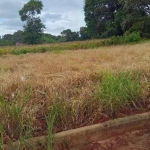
(137, 140)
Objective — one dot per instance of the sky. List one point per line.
(57, 15)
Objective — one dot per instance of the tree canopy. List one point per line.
(33, 28)
(105, 18)
(83, 33)
(69, 35)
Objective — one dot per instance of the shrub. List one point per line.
(127, 38)
(132, 37)
(115, 40)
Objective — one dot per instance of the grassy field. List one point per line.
(59, 47)
(70, 89)
(42, 48)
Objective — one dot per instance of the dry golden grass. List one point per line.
(68, 76)
(43, 69)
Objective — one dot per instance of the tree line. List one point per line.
(104, 19)
(65, 36)
(33, 29)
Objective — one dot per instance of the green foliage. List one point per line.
(119, 90)
(13, 123)
(4, 42)
(69, 35)
(110, 31)
(1, 134)
(83, 33)
(50, 120)
(43, 49)
(115, 40)
(106, 18)
(30, 10)
(18, 37)
(34, 28)
(142, 26)
(97, 13)
(48, 38)
(58, 48)
(7, 36)
(90, 18)
(33, 31)
(12, 39)
(18, 52)
(132, 37)
(133, 11)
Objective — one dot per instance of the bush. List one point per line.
(132, 37)
(115, 40)
(127, 38)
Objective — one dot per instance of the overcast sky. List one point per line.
(57, 15)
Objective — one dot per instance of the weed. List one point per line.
(1, 135)
(120, 90)
(15, 125)
(50, 120)
(43, 49)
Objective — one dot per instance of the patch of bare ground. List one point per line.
(136, 140)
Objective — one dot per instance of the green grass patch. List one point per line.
(13, 123)
(117, 91)
(89, 44)
(50, 120)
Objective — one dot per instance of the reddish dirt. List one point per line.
(120, 114)
(137, 140)
(41, 127)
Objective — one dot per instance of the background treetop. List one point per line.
(34, 28)
(105, 18)
(30, 10)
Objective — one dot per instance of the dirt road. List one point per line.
(137, 140)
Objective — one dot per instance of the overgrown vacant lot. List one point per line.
(73, 88)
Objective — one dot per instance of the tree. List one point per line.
(98, 13)
(69, 35)
(83, 33)
(6, 40)
(134, 10)
(33, 28)
(142, 27)
(7, 36)
(17, 37)
(48, 38)
(105, 18)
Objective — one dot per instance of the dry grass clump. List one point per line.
(74, 85)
